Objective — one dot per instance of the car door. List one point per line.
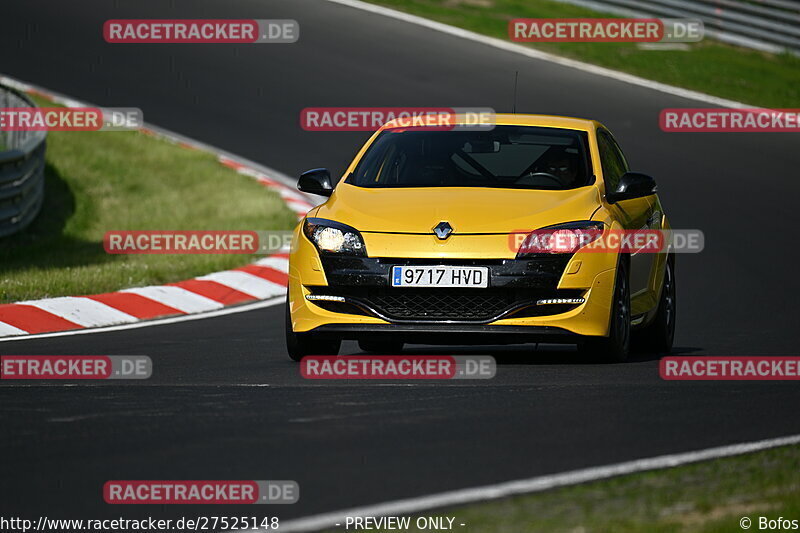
(634, 214)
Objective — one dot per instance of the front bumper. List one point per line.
(446, 333)
(506, 310)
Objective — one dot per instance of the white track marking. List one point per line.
(82, 311)
(176, 297)
(511, 46)
(298, 207)
(290, 194)
(8, 329)
(278, 263)
(529, 485)
(157, 322)
(247, 283)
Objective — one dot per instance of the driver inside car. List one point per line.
(562, 165)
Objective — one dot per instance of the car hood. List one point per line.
(466, 209)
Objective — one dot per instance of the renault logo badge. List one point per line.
(443, 230)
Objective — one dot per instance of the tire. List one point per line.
(381, 347)
(657, 337)
(299, 345)
(616, 347)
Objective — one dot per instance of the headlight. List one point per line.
(333, 237)
(561, 238)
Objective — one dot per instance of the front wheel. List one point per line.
(616, 346)
(657, 337)
(299, 345)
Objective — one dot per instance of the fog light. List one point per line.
(555, 301)
(324, 297)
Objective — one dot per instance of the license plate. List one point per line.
(440, 276)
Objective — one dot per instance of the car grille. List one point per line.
(443, 304)
(440, 304)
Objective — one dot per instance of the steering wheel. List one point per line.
(546, 175)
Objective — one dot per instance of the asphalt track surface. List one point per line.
(225, 403)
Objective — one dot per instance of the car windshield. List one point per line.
(515, 157)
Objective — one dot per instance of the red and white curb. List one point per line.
(263, 280)
(295, 200)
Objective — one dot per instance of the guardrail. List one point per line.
(21, 169)
(768, 25)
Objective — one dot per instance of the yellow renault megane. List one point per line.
(424, 241)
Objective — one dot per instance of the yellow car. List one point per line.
(424, 241)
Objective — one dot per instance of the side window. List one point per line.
(614, 163)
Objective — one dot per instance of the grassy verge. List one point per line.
(102, 181)
(709, 497)
(711, 67)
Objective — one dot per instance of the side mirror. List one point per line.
(316, 181)
(632, 185)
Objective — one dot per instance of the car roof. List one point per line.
(518, 119)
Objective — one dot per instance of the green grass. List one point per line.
(102, 181)
(711, 67)
(708, 497)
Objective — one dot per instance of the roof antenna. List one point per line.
(514, 107)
